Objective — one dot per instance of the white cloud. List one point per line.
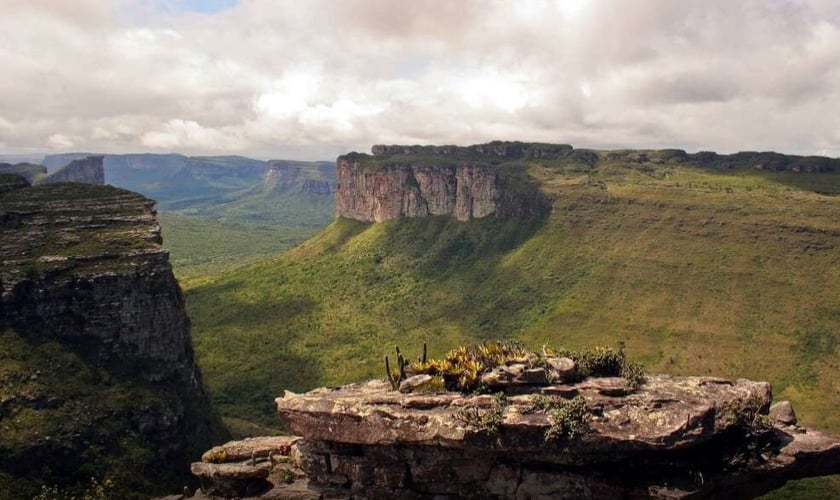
(325, 76)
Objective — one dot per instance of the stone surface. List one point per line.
(676, 437)
(782, 413)
(561, 369)
(412, 383)
(256, 447)
(89, 170)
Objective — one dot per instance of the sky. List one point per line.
(311, 79)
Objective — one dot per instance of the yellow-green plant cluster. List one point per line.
(462, 367)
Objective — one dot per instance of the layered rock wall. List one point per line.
(404, 190)
(85, 264)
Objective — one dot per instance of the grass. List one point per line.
(732, 273)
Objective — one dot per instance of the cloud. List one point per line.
(269, 77)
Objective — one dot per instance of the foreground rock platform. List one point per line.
(675, 437)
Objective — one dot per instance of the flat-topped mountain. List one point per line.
(476, 181)
(99, 377)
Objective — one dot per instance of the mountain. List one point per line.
(28, 171)
(98, 381)
(173, 178)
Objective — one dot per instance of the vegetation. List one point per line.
(66, 418)
(488, 421)
(569, 419)
(701, 270)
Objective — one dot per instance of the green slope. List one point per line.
(732, 272)
(699, 271)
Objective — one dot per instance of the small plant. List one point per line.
(634, 373)
(285, 476)
(489, 421)
(747, 416)
(569, 420)
(541, 403)
(106, 490)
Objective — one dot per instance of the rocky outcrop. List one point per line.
(86, 285)
(468, 182)
(86, 264)
(86, 171)
(399, 188)
(675, 437)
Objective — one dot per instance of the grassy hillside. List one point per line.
(732, 272)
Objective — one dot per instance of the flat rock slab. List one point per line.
(257, 447)
(665, 413)
(675, 437)
(229, 471)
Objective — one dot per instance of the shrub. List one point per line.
(569, 420)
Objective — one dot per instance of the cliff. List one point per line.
(404, 188)
(483, 179)
(89, 170)
(99, 344)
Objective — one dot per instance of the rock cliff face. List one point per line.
(86, 171)
(84, 280)
(420, 181)
(92, 269)
(676, 437)
(463, 191)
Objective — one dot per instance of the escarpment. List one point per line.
(101, 374)
(86, 265)
(404, 188)
(468, 182)
(88, 170)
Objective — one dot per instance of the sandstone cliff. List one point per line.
(89, 170)
(86, 285)
(374, 191)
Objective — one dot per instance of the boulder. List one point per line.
(782, 413)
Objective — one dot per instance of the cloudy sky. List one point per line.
(310, 79)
